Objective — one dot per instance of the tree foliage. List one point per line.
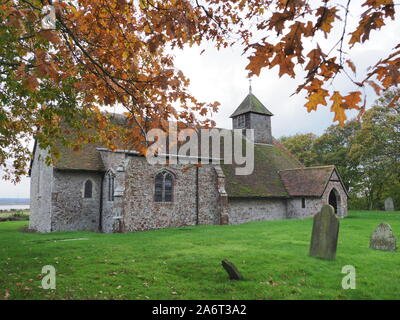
(301, 145)
(109, 52)
(376, 149)
(366, 153)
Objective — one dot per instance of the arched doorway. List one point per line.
(334, 201)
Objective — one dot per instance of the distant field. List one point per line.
(184, 263)
(16, 214)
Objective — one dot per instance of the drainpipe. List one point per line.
(197, 195)
(101, 204)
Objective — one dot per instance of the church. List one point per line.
(108, 191)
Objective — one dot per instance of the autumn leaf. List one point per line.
(316, 98)
(368, 23)
(352, 100)
(315, 57)
(375, 86)
(351, 65)
(49, 35)
(337, 108)
(31, 82)
(326, 17)
(392, 103)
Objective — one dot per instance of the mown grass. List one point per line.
(184, 263)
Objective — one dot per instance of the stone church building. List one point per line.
(99, 190)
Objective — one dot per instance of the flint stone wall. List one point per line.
(70, 210)
(247, 210)
(141, 212)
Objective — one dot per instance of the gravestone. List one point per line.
(233, 272)
(325, 234)
(383, 238)
(389, 206)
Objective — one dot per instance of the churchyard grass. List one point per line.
(185, 263)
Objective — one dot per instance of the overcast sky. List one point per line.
(221, 76)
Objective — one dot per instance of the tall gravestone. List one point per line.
(389, 205)
(383, 238)
(325, 234)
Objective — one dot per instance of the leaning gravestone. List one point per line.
(233, 272)
(325, 234)
(389, 206)
(383, 238)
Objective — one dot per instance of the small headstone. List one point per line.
(325, 234)
(233, 272)
(383, 238)
(389, 205)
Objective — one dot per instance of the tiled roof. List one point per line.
(309, 181)
(251, 104)
(277, 173)
(265, 180)
(88, 158)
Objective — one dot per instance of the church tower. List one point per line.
(252, 114)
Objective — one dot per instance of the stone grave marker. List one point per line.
(325, 234)
(233, 272)
(389, 205)
(383, 238)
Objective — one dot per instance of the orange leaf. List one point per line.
(31, 82)
(351, 100)
(392, 103)
(337, 108)
(375, 86)
(351, 65)
(316, 98)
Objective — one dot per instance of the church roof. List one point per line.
(308, 182)
(251, 104)
(277, 173)
(265, 180)
(88, 158)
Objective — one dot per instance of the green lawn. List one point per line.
(184, 263)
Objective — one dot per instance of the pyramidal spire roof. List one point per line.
(251, 104)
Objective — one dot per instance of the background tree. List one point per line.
(333, 147)
(301, 145)
(376, 149)
(109, 52)
(366, 153)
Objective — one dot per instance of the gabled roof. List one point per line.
(251, 104)
(307, 182)
(265, 180)
(277, 173)
(88, 158)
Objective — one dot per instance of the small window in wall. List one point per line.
(163, 187)
(303, 202)
(88, 191)
(111, 184)
(241, 121)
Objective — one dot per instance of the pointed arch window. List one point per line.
(88, 189)
(111, 186)
(164, 183)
